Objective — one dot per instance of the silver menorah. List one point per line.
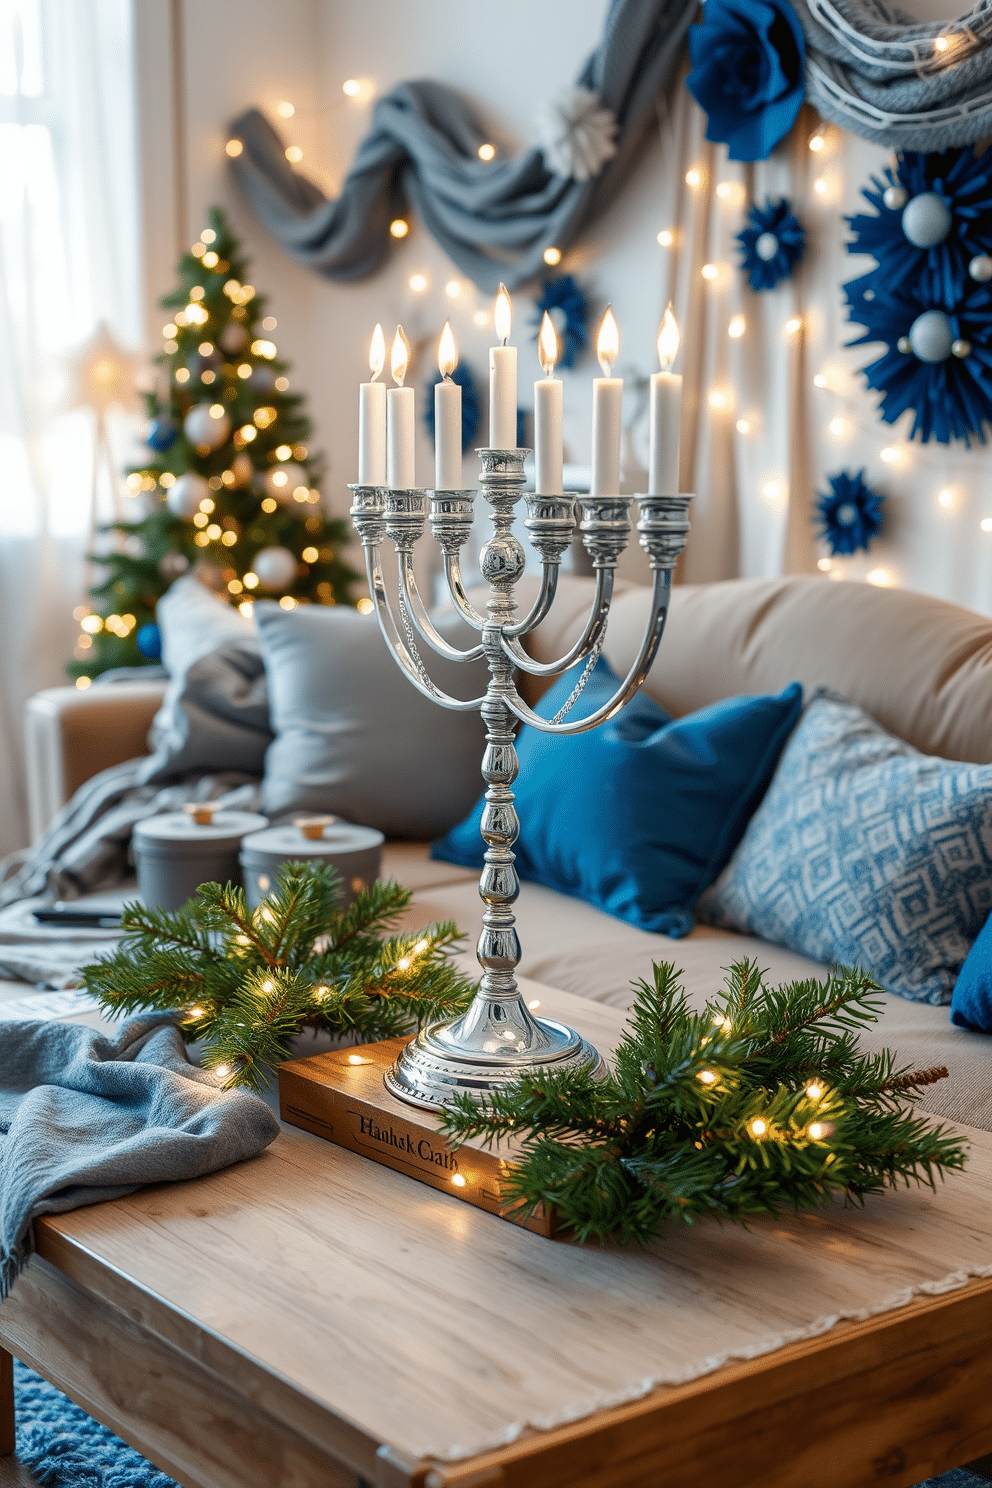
(498, 1039)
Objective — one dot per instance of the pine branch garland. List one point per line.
(762, 1102)
(246, 982)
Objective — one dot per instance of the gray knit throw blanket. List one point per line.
(84, 1118)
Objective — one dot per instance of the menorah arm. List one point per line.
(660, 593)
(406, 656)
(541, 606)
(421, 619)
(456, 588)
(594, 627)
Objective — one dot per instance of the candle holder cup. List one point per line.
(498, 1039)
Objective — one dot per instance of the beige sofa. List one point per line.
(921, 667)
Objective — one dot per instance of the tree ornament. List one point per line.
(470, 404)
(242, 469)
(283, 481)
(747, 73)
(850, 513)
(149, 641)
(276, 567)
(771, 244)
(172, 566)
(568, 309)
(233, 338)
(161, 435)
(577, 133)
(207, 426)
(932, 219)
(980, 268)
(185, 494)
(262, 380)
(937, 359)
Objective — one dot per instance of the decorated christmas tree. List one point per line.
(229, 488)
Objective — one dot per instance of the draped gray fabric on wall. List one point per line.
(493, 220)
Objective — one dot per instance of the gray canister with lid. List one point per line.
(174, 854)
(355, 852)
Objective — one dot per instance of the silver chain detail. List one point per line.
(579, 687)
(411, 645)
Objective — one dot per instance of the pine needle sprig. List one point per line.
(244, 983)
(763, 1102)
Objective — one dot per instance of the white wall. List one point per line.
(507, 58)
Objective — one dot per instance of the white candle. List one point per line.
(372, 418)
(447, 418)
(503, 379)
(400, 420)
(607, 408)
(548, 449)
(666, 414)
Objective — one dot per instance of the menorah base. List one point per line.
(430, 1071)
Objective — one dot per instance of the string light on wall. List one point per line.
(453, 289)
(840, 428)
(946, 498)
(894, 454)
(552, 257)
(737, 327)
(793, 325)
(743, 426)
(418, 283)
(294, 154)
(399, 227)
(731, 193)
(986, 524)
(486, 152)
(881, 578)
(351, 87)
(695, 177)
(721, 400)
(285, 110)
(666, 238)
(234, 148)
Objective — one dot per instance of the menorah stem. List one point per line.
(499, 946)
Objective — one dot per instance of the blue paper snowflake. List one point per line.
(772, 243)
(932, 221)
(569, 310)
(850, 513)
(937, 358)
(470, 404)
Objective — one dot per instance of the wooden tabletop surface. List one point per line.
(364, 1305)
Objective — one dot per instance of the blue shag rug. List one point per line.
(65, 1448)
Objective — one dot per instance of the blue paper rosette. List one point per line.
(850, 513)
(771, 244)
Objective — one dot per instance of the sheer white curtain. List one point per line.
(68, 260)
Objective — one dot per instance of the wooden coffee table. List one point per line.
(310, 1318)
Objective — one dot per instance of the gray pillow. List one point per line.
(215, 712)
(353, 736)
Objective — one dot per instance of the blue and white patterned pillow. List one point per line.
(864, 852)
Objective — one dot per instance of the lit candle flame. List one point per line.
(669, 339)
(503, 315)
(547, 344)
(399, 358)
(377, 352)
(608, 342)
(447, 352)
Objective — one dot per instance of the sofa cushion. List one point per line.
(215, 712)
(353, 736)
(865, 852)
(639, 815)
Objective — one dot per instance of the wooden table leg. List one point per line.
(6, 1403)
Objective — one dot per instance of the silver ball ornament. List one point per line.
(904, 345)
(931, 336)
(766, 247)
(980, 268)
(894, 197)
(282, 480)
(926, 220)
(184, 496)
(173, 565)
(233, 338)
(961, 347)
(276, 567)
(205, 428)
(846, 514)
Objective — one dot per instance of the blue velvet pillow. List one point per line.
(639, 815)
(971, 1000)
